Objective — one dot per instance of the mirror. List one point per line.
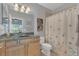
(17, 22)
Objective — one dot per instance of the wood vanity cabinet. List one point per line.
(17, 50)
(2, 48)
(26, 47)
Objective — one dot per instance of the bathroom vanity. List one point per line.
(20, 39)
(25, 46)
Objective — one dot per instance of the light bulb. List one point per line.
(22, 8)
(28, 10)
(16, 7)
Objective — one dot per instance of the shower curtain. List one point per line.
(61, 32)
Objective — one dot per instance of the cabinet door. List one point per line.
(34, 48)
(25, 43)
(2, 49)
(15, 51)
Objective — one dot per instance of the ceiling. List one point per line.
(47, 8)
(36, 9)
(55, 7)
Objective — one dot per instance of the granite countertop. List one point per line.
(15, 38)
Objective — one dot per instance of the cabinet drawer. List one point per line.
(11, 43)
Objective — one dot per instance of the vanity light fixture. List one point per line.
(22, 8)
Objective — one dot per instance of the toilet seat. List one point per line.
(46, 49)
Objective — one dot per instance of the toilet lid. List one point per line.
(46, 46)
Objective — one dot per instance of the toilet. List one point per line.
(45, 47)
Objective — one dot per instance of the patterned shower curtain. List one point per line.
(61, 32)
